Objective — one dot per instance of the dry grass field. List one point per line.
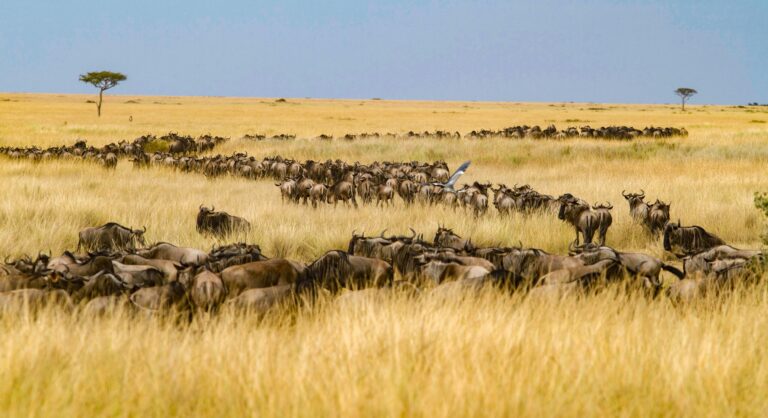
(604, 355)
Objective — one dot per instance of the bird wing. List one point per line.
(457, 174)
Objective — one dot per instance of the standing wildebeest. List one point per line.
(658, 216)
(636, 264)
(445, 237)
(206, 290)
(337, 269)
(637, 207)
(604, 219)
(220, 224)
(578, 214)
(691, 239)
(110, 237)
(343, 190)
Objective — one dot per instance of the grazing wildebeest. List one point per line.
(110, 237)
(259, 274)
(337, 269)
(690, 239)
(220, 224)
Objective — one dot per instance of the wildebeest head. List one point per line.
(633, 197)
(570, 209)
(670, 230)
(138, 235)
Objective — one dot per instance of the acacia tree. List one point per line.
(685, 93)
(102, 80)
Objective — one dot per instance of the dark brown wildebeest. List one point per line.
(100, 284)
(220, 224)
(182, 255)
(578, 214)
(138, 275)
(234, 255)
(658, 216)
(336, 269)
(604, 220)
(690, 239)
(260, 274)
(343, 190)
(445, 237)
(110, 237)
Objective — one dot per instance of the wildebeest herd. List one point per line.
(113, 266)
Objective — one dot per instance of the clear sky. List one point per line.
(545, 50)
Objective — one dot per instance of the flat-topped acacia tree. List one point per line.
(102, 80)
(685, 93)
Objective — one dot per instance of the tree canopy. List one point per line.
(102, 80)
(685, 93)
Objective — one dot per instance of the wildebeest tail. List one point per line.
(679, 274)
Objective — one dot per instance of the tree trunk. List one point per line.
(98, 105)
(683, 101)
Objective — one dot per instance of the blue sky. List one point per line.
(546, 50)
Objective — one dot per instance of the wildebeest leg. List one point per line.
(577, 236)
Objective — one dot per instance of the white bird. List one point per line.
(451, 181)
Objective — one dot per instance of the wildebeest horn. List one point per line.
(382, 232)
(213, 208)
(572, 247)
(145, 229)
(200, 207)
(624, 193)
(414, 233)
(642, 192)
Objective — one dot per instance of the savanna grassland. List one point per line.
(493, 354)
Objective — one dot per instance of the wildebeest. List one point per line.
(336, 269)
(604, 220)
(110, 237)
(157, 298)
(658, 216)
(690, 239)
(445, 237)
(584, 221)
(637, 207)
(220, 224)
(639, 265)
(259, 274)
(182, 255)
(206, 290)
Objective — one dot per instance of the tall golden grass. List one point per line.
(492, 354)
